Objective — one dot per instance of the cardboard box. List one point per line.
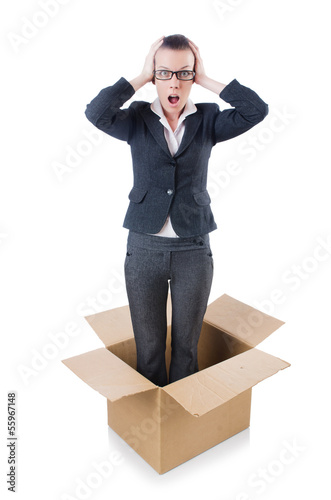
(169, 425)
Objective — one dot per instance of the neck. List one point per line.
(173, 118)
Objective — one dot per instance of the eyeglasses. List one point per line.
(163, 74)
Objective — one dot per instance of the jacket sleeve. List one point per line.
(105, 113)
(248, 110)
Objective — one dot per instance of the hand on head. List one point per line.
(148, 68)
(198, 68)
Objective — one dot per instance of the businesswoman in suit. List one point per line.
(169, 216)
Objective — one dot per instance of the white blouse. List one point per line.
(173, 139)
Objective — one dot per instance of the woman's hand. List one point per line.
(149, 61)
(200, 75)
(146, 74)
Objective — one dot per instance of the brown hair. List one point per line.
(176, 42)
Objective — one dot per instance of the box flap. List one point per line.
(203, 391)
(107, 374)
(112, 326)
(115, 325)
(240, 320)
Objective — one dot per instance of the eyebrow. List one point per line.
(165, 67)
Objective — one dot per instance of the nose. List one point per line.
(174, 80)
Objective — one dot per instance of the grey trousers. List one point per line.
(151, 264)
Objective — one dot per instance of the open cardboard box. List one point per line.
(169, 425)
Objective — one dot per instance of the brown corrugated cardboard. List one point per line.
(210, 388)
(169, 425)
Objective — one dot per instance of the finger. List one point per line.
(193, 44)
(155, 47)
(158, 42)
(195, 51)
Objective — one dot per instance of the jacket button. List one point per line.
(169, 192)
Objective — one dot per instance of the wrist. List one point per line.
(211, 84)
(140, 81)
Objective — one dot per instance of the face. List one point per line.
(173, 94)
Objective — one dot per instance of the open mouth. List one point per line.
(173, 99)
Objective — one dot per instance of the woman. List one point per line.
(169, 216)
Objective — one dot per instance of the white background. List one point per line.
(62, 244)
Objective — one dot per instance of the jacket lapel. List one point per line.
(152, 121)
(192, 123)
(156, 128)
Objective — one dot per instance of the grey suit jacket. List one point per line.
(166, 184)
